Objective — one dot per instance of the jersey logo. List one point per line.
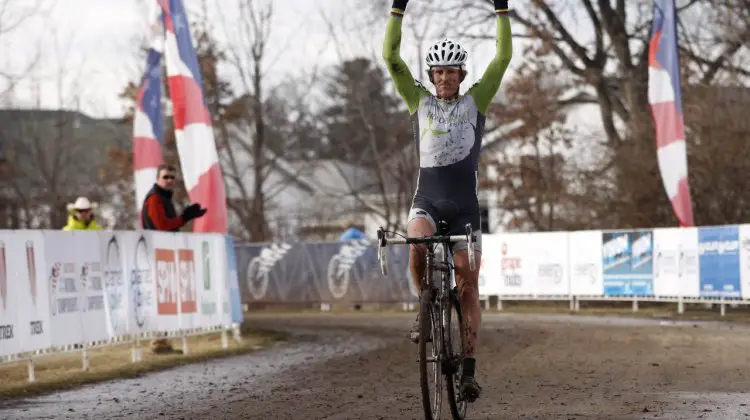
(434, 131)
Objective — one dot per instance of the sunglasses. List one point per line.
(168, 177)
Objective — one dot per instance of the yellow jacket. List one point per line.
(75, 224)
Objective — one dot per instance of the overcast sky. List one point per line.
(96, 43)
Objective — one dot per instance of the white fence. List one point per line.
(76, 290)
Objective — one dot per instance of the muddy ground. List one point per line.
(361, 367)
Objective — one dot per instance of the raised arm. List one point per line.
(486, 88)
(404, 82)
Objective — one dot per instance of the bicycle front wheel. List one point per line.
(430, 375)
(453, 345)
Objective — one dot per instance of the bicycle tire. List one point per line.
(457, 405)
(432, 407)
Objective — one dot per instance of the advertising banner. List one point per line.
(67, 298)
(24, 311)
(627, 263)
(585, 261)
(549, 253)
(235, 297)
(719, 261)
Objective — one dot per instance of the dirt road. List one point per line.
(361, 367)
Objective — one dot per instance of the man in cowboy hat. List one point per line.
(81, 215)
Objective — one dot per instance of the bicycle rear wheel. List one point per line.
(453, 345)
(430, 379)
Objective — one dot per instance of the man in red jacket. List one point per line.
(158, 212)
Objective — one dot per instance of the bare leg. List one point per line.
(467, 283)
(418, 227)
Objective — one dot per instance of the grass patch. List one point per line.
(64, 371)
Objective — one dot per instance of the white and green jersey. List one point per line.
(448, 133)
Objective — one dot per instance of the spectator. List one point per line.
(158, 212)
(351, 233)
(81, 215)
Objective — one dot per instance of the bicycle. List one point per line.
(438, 306)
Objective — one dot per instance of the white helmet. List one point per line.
(446, 53)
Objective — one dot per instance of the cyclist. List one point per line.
(448, 128)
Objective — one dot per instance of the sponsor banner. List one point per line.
(525, 264)
(491, 274)
(165, 262)
(67, 298)
(667, 262)
(585, 263)
(235, 299)
(130, 291)
(642, 263)
(676, 262)
(141, 276)
(117, 300)
(549, 252)
(627, 263)
(688, 262)
(88, 264)
(335, 272)
(24, 312)
(516, 270)
(210, 270)
(10, 308)
(745, 260)
(719, 261)
(27, 260)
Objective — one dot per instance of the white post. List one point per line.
(224, 339)
(184, 344)
(635, 304)
(85, 357)
(32, 372)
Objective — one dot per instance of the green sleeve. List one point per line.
(404, 82)
(484, 91)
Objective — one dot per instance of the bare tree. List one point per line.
(246, 53)
(602, 48)
(370, 132)
(14, 14)
(53, 152)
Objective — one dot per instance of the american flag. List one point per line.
(147, 122)
(666, 108)
(192, 122)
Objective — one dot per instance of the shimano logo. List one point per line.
(270, 256)
(616, 246)
(719, 247)
(349, 253)
(641, 246)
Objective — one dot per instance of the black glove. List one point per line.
(193, 211)
(400, 4)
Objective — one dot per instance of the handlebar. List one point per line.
(383, 242)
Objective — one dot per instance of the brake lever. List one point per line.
(382, 253)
